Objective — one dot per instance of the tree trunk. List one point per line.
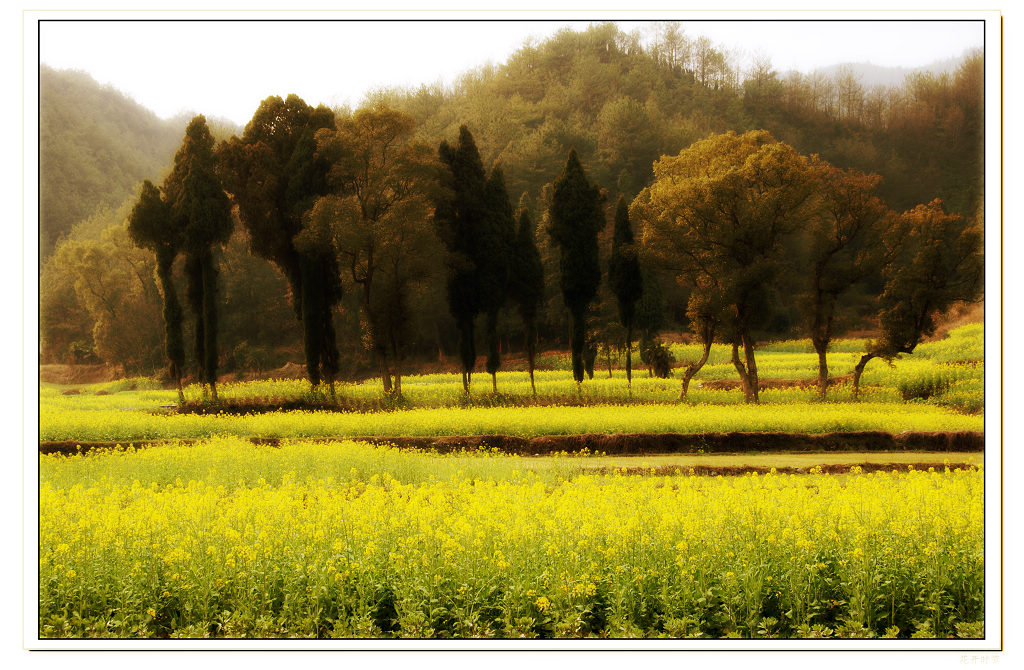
(692, 370)
(746, 379)
(181, 391)
(494, 383)
(385, 373)
(531, 352)
(577, 340)
(465, 383)
(210, 352)
(438, 340)
(629, 359)
(822, 349)
(858, 370)
(748, 350)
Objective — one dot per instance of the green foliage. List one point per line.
(943, 266)
(526, 282)
(721, 213)
(382, 184)
(497, 241)
(274, 176)
(576, 219)
(200, 212)
(459, 214)
(99, 298)
(624, 266)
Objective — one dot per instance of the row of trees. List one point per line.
(189, 214)
(749, 224)
(745, 223)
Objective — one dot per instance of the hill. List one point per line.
(95, 145)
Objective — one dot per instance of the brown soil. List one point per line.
(636, 443)
(762, 384)
(733, 470)
(79, 374)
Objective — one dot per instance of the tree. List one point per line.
(151, 226)
(202, 211)
(494, 262)
(576, 219)
(526, 283)
(274, 176)
(943, 266)
(459, 212)
(112, 280)
(846, 245)
(625, 279)
(727, 205)
(383, 183)
(704, 310)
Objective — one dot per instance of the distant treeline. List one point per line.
(619, 100)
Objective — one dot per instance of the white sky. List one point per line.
(226, 68)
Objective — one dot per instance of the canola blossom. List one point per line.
(128, 425)
(342, 539)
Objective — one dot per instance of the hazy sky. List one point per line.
(224, 69)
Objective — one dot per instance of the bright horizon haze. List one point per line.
(233, 65)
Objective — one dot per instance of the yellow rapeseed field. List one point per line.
(341, 539)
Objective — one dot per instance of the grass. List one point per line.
(129, 425)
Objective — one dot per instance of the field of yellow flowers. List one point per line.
(226, 539)
(207, 534)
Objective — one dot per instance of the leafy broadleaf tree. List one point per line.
(526, 283)
(460, 209)
(383, 183)
(704, 310)
(151, 226)
(846, 245)
(625, 278)
(576, 218)
(202, 211)
(274, 176)
(942, 265)
(729, 204)
(495, 263)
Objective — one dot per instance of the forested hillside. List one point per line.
(95, 146)
(621, 100)
(624, 99)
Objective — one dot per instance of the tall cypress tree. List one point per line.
(576, 219)
(459, 214)
(203, 212)
(151, 226)
(625, 279)
(494, 262)
(526, 283)
(275, 176)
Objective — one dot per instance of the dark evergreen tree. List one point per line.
(459, 213)
(494, 261)
(151, 226)
(526, 284)
(625, 279)
(203, 212)
(576, 218)
(275, 176)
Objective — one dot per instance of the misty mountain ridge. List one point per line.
(871, 75)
